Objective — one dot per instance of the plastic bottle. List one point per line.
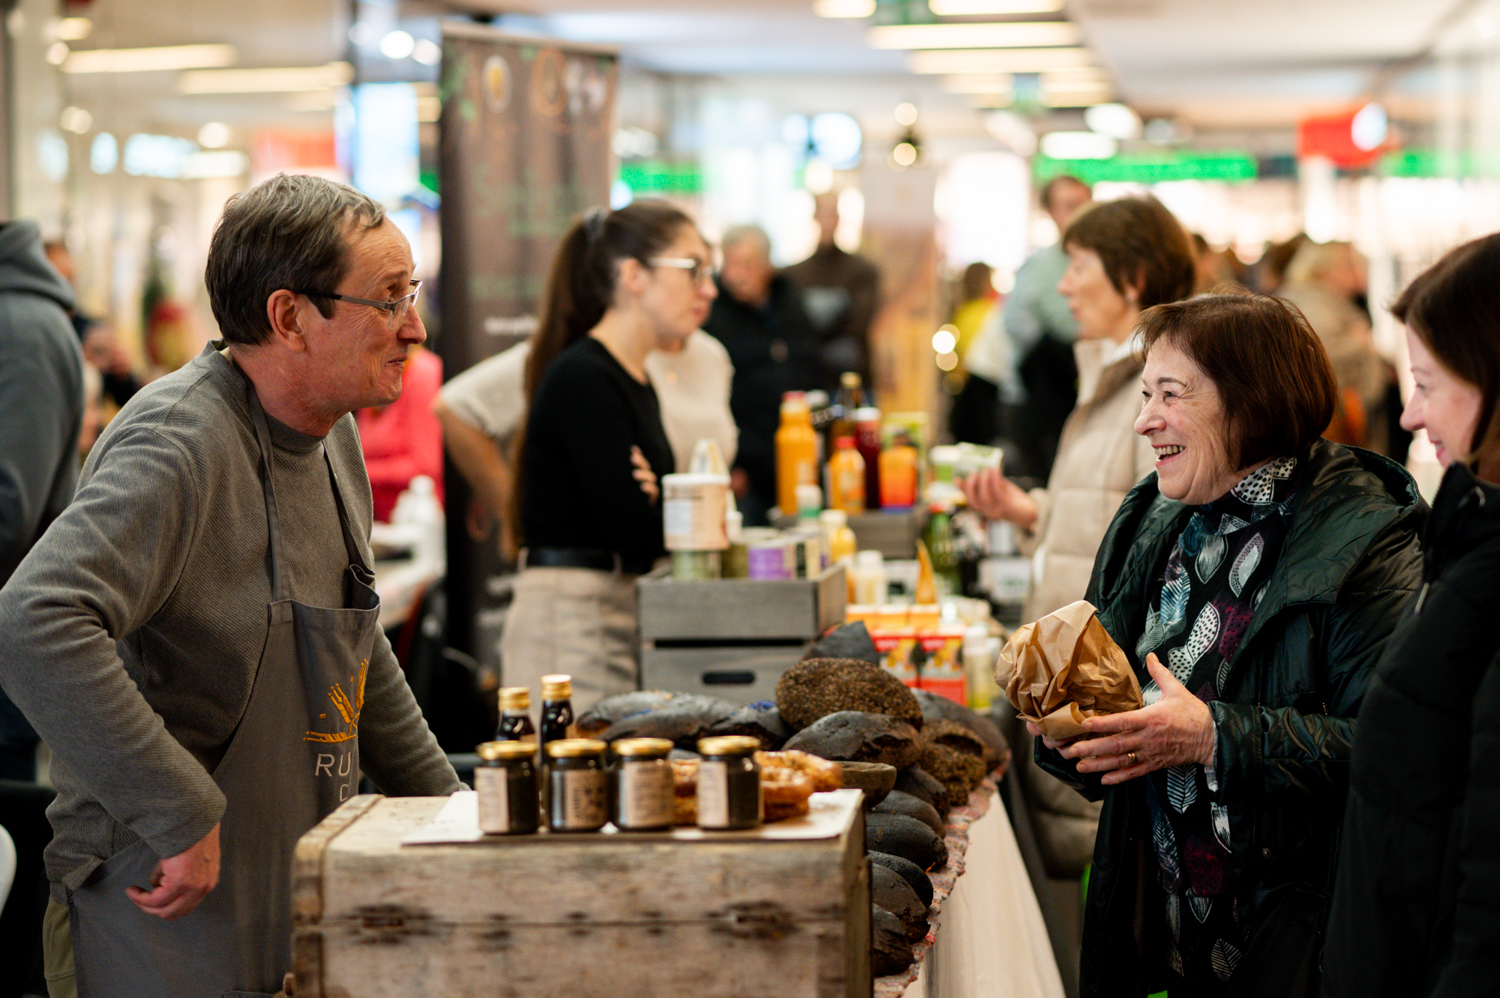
(941, 547)
(846, 477)
(796, 451)
(867, 440)
(898, 474)
(979, 666)
(418, 509)
(841, 540)
(867, 581)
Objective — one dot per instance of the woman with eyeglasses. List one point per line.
(593, 451)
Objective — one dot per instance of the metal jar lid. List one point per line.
(558, 686)
(728, 745)
(642, 748)
(575, 748)
(515, 698)
(504, 751)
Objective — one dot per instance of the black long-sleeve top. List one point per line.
(579, 484)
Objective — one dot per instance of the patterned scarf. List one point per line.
(1214, 579)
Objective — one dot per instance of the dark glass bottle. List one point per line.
(515, 716)
(850, 397)
(557, 708)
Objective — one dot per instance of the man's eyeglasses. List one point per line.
(397, 310)
(697, 269)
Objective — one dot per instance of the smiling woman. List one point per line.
(1251, 581)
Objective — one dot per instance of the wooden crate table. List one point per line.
(779, 912)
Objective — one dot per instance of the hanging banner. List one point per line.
(524, 148)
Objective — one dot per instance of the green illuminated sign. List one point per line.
(652, 176)
(1150, 168)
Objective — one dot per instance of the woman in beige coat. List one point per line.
(1123, 257)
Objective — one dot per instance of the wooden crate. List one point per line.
(741, 609)
(737, 673)
(643, 915)
(892, 532)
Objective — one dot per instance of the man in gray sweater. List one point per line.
(197, 639)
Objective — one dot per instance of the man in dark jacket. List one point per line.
(841, 294)
(41, 415)
(1285, 714)
(759, 319)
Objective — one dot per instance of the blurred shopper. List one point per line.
(482, 408)
(622, 284)
(42, 406)
(403, 440)
(974, 414)
(840, 294)
(1042, 331)
(759, 318)
(1324, 280)
(1417, 907)
(196, 636)
(1252, 582)
(1123, 256)
(101, 347)
(1211, 267)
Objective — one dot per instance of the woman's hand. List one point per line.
(998, 498)
(1176, 729)
(644, 474)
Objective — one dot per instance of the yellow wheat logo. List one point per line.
(347, 710)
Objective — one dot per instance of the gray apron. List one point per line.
(293, 758)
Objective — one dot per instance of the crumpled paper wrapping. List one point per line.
(1065, 668)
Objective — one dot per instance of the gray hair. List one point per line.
(290, 232)
(741, 233)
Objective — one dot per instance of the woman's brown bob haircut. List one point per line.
(1272, 373)
(1454, 308)
(1142, 246)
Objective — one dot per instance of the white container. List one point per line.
(867, 578)
(418, 510)
(693, 509)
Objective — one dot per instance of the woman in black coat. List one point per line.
(1417, 907)
(1251, 581)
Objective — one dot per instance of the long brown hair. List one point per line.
(580, 289)
(1454, 310)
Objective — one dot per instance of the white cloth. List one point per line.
(691, 385)
(990, 939)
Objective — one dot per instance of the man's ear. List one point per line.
(284, 312)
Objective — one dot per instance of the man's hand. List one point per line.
(180, 883)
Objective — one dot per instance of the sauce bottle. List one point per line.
(515, 716)
(867, 440)
(796, 451)
(846, 477)
(849, 399)
(898, 474)
(557, 708)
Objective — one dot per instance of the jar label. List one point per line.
(646, 796)
(494, 798)
(713, 794)
(584, 800)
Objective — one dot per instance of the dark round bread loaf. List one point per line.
(897, 802)
(817, 687)
(896, 833)
(915, 877)
(890, 891)
(859, 737)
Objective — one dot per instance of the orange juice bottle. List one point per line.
(846, 477)
(898, 474)
(796, 451)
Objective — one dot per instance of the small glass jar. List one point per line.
(729, 783)
(577, 797)
(642, 798)
(506, 781)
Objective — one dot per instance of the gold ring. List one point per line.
(1134, 759)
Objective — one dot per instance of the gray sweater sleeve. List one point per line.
(106, 565)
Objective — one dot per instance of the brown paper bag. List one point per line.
(1065, 668)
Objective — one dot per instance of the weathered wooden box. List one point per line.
(738, 673)
(609, 915)
(717, 610)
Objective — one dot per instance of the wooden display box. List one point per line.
(738, 673)
(716, 610)
(643, 915)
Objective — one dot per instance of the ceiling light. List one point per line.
(1115, 120)
(906, 114)
(1013, 34)
(997, 60)
(397, 45)
(843, 8)
(427, 52)
(104, 153)
(960, 8)
(57, 53)
(150, 59)
(1077, 145)
(991, 101)
(1081, 96)
(944, 340)
(75, 119)
(1369, 127)
(214, 135)
(904, 154)
(287, 79)
(73, 29)
(978, 83)
(219, 163)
